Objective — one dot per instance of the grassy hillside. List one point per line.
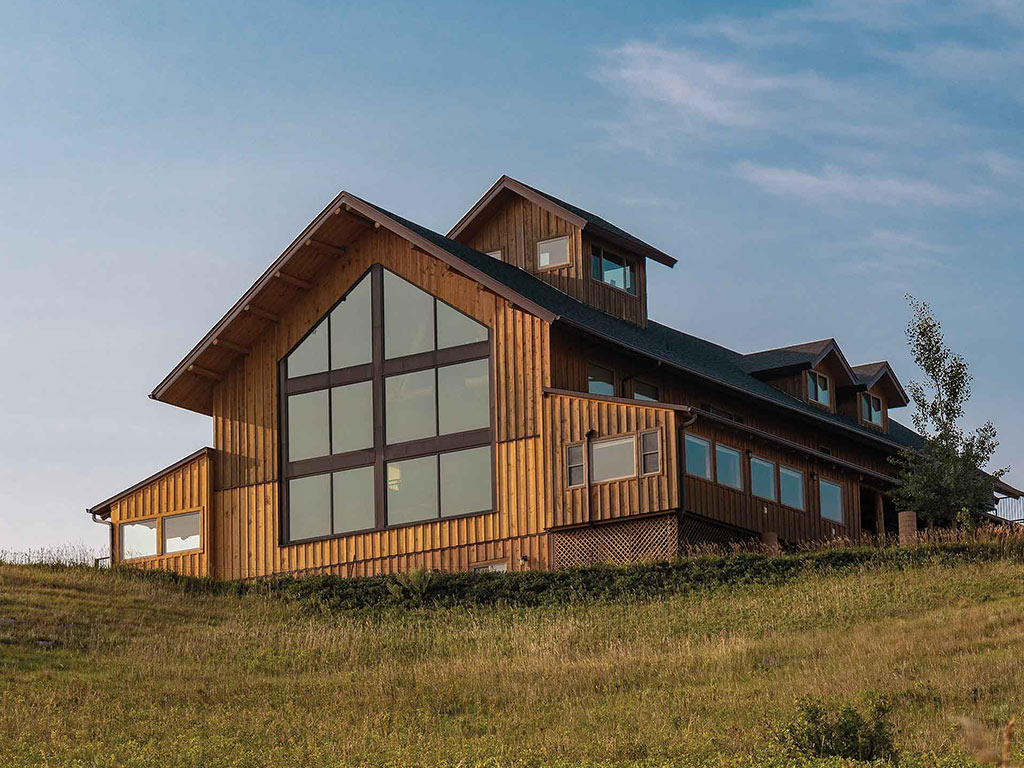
(113, 669)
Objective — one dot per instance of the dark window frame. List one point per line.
(642, 454)
(381, 453)
(842, 501)
(709, 464)
(803, 487)
(614, 378)
(569, 465)
(599, 254)
(817, 385)
(739, 464)
(866, 402)
(645, 398)
(752, 457)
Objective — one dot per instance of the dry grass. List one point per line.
(97, 669)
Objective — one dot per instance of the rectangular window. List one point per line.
(412, 490)
(613, 459)
(650, 452)
(408, 318)
(613, 270)
(353, 500)
(728, 466)
(463, 397)
(308, 426)
(138, 539)
(818, 388)
(600, 381)
(762, 478)
(644, 391)
(181, 532)
(553, 253)
(871, 410)
(831, 497)
(352, 417)
(466, 482)
(791, 488)
(409, 406)
(309, 507)
(498, 567)
(574, 468)
(698, 457)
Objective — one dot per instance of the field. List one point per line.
(101, 668)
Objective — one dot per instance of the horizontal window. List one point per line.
(650, 452)
(500, 567)
(698, 457)
(791, 488)
(181, 532)
(762, 478)
(644, 391)
(613, 270)
(728, 467)
(613, 459)
(138, 539)
(574, 469)
(600, 380)
(553, 253)
(831, 498)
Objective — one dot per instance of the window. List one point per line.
(181, 532)
(698, 457)
(817, 388)
(368, 383)
(600, 381)
(495, 254)
(644, 391)
(496, 567)
(762, 478)
(553, 253)
(574, 469)
(728, 466)
(613, 459)
(138, 539)
(613, 270)
(831, 498)
(871, 410)
(791, 488)
(650, 452)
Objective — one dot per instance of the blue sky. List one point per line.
(807, 163)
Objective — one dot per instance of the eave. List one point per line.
(478, 213)
(102, 510)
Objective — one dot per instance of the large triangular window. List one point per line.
(385, 414)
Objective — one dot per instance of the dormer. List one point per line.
(876, 391)
(576, 251)
(816, 372)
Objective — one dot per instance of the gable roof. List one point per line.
(870, 374)
(575, 215)
(795, 358)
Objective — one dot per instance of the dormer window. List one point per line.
(871, 410)
(613, 270)
(553, 253)
(818, 386)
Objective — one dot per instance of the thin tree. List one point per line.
(943, 480)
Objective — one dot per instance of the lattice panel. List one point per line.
(694, 531)
(622, 542)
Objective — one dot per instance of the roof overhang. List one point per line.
(190, 383)
(492, 198)
(805, 360)
(1007, 490)
(102, 510)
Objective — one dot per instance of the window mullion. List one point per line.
(377, 327)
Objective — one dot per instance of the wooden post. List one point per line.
(879, 514)
(770, 541)
(908, 528)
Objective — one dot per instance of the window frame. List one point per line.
(629, 266)
(560, 265)
(803, 486)
(817, 386)
(867, 398)
(842, 501)
(380, 454)
(622, 437)
(641, 453)
(583, 465)
(739, 464)
(775, 478)
(159, 520)
(614, 378)
(644, 398)
(710, 463)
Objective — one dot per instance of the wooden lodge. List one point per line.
(385, 397)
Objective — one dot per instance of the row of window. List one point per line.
(614, 458)
(724, 465)
(605, 266)
(601, 381)
(177, 533)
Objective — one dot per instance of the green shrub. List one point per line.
(819, 731)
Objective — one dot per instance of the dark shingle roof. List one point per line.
(785, 357)
(867, 373)
(680, 350)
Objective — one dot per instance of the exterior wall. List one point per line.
(185, 489)
(247, 538)
(572, 351)
(519, 225)
(567, 420)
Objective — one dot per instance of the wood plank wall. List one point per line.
(567, 421)
(571, 352)
(516, 228)
(186, 489)
(246, 540)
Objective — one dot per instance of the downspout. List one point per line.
(109, 525)
(590, 435)
(681, 452)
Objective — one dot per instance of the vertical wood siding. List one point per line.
(247, 540)
(517, 227)
(186, 489)
(567, 421)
